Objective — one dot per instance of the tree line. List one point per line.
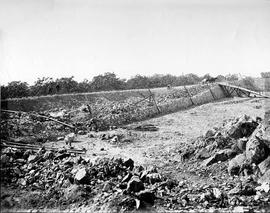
(105, 82)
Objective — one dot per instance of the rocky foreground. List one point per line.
(238, 153)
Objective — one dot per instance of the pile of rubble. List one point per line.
(238, 151)
(32, 127)
(59, 178)
(239, 155)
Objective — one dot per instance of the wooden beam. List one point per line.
(245, 90)
(190, 97)
(152, 95)
(41, 116)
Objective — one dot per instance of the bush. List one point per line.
(249, 83)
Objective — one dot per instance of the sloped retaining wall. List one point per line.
(73, 101)
(67, 100)
(208, 96)
(133, 115)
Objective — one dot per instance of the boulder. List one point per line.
(32, 158)
(135, 184)
(4, 159)
(146, 196)
(243, 189)
(241, 127)
(236, 164)
(209, 133)
(256, 150)
(221, 155)
(82, 176)
(153, 178)
(129, 163)
(127, 178)
(107, 186)
(48, 155)
(265, 177)
(241, 144)
(264, 165)
(203, 153)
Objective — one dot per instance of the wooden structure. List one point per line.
(231, 90)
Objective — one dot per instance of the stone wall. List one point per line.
(267, 106)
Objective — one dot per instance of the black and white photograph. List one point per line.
(135, 106)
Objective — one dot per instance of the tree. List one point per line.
(15, 89)
(66, 85)
(265, 74)
(138, 82)
(43, 86)
(231, 77)
(106, 82)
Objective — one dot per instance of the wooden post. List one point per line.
(212, 93)
(190, 97)
(152, 95)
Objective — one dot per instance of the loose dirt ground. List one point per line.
(159, 148)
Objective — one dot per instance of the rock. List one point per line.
(209, 133)
(127, 178)
(90, 135)
(69, 138)
(217, 193)
(115, 139)
(264, 165)
(129, 163)
(61, 156)
(48, 155)
(76, 192)
(138, 203)
(4, 159)
(27, 153)
(82, 176)
(107, 186)
(243, 189)
(22, 182)
(146, 196)
(153, 178)
(32, 158)
(203, 154)
(135, 184)
(241, 144)
(265, 177)
(221, 155)
(264, 187)
(60, 138)
(123, 185)
(81, 132)
(143, 175)
(241, 127)
(241, 209)
(41, 151)
(236, 164)
(256, 150)
(152, 169)
(17, 171)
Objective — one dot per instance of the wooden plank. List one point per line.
(152, 95)
(190, 97)
(212, 93)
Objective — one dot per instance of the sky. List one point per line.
(85, 38)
